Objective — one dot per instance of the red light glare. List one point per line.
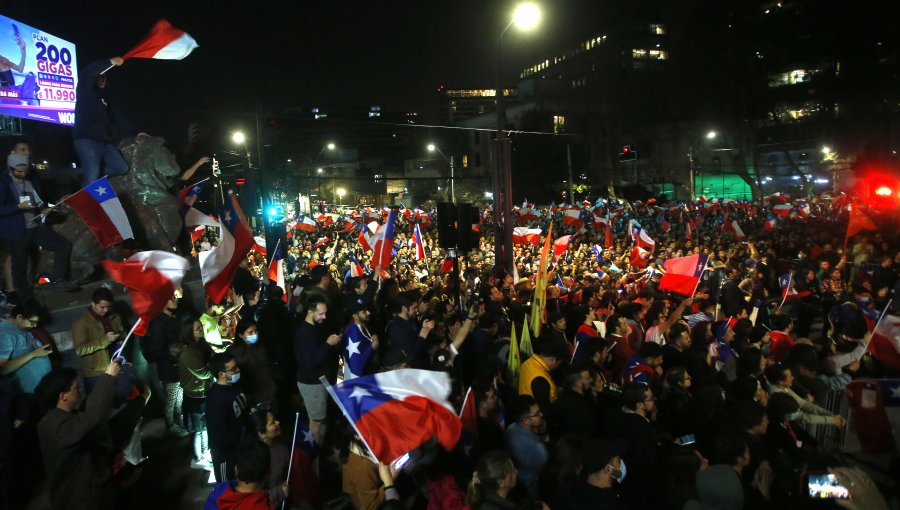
(883, 191)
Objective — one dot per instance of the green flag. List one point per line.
(513, 361)
(525, 348)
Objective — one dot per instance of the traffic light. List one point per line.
(240, 181)
(627, 154)
(215, 168)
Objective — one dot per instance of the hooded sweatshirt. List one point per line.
(224, 497)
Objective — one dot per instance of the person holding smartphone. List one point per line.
(93, 334)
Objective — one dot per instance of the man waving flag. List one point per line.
(383, 245)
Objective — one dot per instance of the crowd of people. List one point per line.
(627, 396)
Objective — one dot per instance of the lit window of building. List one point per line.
(638, 53)
(658, 29)
(559, 123)
(658, 55)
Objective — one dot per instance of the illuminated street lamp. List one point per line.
(340, 193)
(526, 16)
(434, 148)
(710, 135)
(238, 137)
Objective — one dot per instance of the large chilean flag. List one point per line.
(683, 274)
(217, 266)
(100, 209)
(396, 411)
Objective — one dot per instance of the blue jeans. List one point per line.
(92, 153)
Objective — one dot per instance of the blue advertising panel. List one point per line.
(38, 74)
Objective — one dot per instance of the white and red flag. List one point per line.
(561, 245)
(420, 246)
(305, 224)
(276, 268)
(522, 235)
(217, 266)
(396, 411)
(683, 274)
(640, 237)
(164, 42)
(151, 278)
(367, 235)
(383, 248)
(99, 207)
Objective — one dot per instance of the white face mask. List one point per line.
(235, 378)
(623, 470)
(252, 339)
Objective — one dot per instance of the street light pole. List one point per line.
(452, 182)
(526, 16)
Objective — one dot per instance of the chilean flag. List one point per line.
(306, 224)
(357, 350)
(420, 247)
(885, 342)
(771, 224)
(561, 245)
(572, 217)
(383, 247)
(640, 237)
(735, 230)
(522, 235)
(189, 195)
(304, 482)
(468, 417)
(683, 274)
(783, 210)
(366, 239)
(638, 258)
(151, 278)
(217, 266)
(356, 269)
(786, 282)
(100, 209)
(276, 268)
(396, 411)
(164, 42)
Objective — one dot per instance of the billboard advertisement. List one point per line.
(38, 74)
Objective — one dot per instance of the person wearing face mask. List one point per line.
(601, 473)
(75, 443)
(226, 414)
(250, 355)
(635, 424)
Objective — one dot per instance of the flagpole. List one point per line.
(291, 459)
(337, 401)
(883, 313)
(787, 290)
(697, 285)
(121, 347)
(196, 183)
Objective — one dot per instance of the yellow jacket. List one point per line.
(532, 368)
(90, 343)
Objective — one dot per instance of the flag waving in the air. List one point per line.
(164, 42)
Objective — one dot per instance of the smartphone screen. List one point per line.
(400, 461)
(826, 486)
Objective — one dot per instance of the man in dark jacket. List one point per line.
(21, 228)
(98, 124)
(317, 349)
(163, 333)
(76, 445)
(226, 415)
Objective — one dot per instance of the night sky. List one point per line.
(299, 53)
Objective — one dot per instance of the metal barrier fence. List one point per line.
(833, 438)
